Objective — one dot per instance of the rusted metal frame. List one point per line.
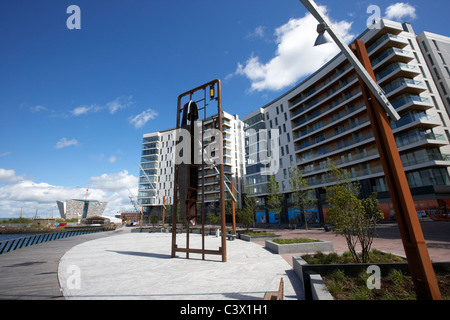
(414, 244)
(222, 250)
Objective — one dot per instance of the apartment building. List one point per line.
(156, 182)
(436, 50)
(325, 117)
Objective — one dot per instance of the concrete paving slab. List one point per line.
(139, 266)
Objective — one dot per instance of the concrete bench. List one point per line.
(275, 295)
(231, 236)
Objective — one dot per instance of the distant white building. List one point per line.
(81, 208)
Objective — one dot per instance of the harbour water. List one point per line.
(4, 237)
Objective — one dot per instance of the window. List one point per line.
(442, 58)
(442, 119)
(436, 45)
(435, 102)
(428, 86)
(431, 60)
(437, 74)
(425, 46)
(281, 106)
(443, 89)
(278, 110)
(448, 71)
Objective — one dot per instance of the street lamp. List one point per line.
(321, 38)
(378, 107)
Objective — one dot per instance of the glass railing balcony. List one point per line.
(389, 52)
(394, 85)
(327, 150)
(383, 39)
(412, 118)
(427, 158)
(417, 136)
(407, 98)
(395, 67)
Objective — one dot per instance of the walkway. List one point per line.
(31, 273)
(124, 265)
(139, 266)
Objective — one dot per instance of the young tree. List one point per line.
(246, 216)
(274, 197)
(303, 196)
(351, 217)
(367, 225)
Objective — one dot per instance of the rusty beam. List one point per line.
(416, 251)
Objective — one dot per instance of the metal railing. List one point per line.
(18, 243)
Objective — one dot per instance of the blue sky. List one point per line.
(74, 104)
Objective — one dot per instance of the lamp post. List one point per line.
(378, 107)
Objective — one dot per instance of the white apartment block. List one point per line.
(325, 117)
(436, 50)
(158, 161)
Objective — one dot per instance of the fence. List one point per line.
(17, 243)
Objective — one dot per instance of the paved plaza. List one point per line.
(125, 265)
(139, 266)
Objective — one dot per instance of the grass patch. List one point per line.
(394, 286)
(375, 256)
(292, 241)
(258, 234)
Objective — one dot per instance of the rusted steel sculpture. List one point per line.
(186, 191)
(188, 172)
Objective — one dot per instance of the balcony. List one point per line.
(415, 120)
(339, 131)
(417, 137)
(405, 101)
(325, 179)
(404, 85)
(350, 159)
(391, 55)
(327, 151)
(396, 70)
(335, 97)
(387, 41)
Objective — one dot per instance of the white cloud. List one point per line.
(112, 159)
(141, 119)
(9, 176)
(112, 106)
(31, 196)
(78, 111)
(63, 142)
(4, 154)
(257, 33)
(295, 57)
(400, 10)
(119, 103)
(38, 108)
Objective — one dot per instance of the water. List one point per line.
(4, 237)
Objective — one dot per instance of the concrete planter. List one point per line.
(314, 286)
(258, 238)
(309, 247)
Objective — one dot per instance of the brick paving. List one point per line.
(436, 234)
